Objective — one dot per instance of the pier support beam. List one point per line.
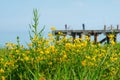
(105, 27)
(95, 38)
(115, 37)
(74, 36)
(117, 27)
(80, 36)
(108, 40)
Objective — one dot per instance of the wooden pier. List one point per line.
(89, 33)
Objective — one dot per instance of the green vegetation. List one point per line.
(49, 59)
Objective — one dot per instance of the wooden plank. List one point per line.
(86, 31)
(95, 37)
(103, 40)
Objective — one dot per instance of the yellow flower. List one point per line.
(2, 77)
(47, 51)
(111, 36)
(41, 52)
(52, 48)
(94, 58)
(96, 51)
(91, 64)
(87, 38)
(80, 39)
(10, 46)
(53, 28)
(114, 55)
(1, 59)
(101, 55)
(1, 70)
(50, 35)
(35, 38)
(7, 44)
(112, 42)
(64, 54)
(60, 33)
(99, 44)
(113, 59)
(88, 57)
(68, 46)
(30, 44)
(84, 44)
(83, 63)
(47, 43)
(39, 42)
(50, 63)
(26, 58)
(17, 51)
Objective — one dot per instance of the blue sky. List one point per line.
(16, 15)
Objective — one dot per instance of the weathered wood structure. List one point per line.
(94, 33)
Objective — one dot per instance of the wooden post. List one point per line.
(95, 37)
(108, 40)
(83, 25)
(111, 27)
(80, 36)
(115, 37)
(74, 36)
(65, 26)
(117, 27)
(104, 27)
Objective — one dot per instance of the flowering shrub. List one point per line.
(51, 59)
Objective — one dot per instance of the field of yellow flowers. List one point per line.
(51, 59)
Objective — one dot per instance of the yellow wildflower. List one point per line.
(50, 63)
(68, 46)
(1, 59)
(41, 52)
(65, 56)
(91, 64)
(30, 44)
(94, 58)
(83, 63)
(26, 58)
(17, 51)
(87, 38)
(60, 33)
(39, 42)
(2, 77)
(88, 57)
(50, 35)
(111, 36)
(52, 48)
(35, 38)
(1, 70)
(112, 42)
(47, 51)
(53, 28)
(84, 43)
(99, 44)
(113, 59)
